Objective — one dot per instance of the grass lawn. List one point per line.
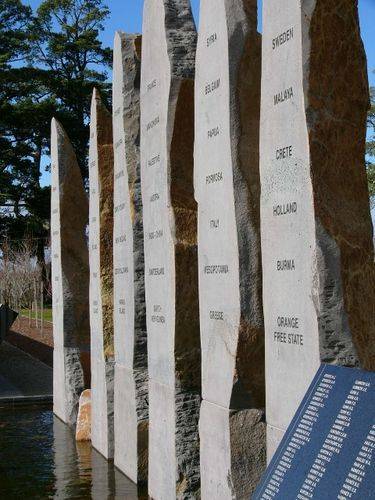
(47, 313)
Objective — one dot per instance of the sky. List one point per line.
(126, 15)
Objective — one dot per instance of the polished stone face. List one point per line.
(227, 91)
(101, 276)
(315, 264)
(131, 382)
(218, 242)
(168, 52)
(70, 277)
(287, 234)
(159, 255)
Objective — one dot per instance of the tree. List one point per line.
(65, 41)
(19, 273)
(14, 19)
(49, 64)
(25, 110)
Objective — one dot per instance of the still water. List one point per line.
(39, 458)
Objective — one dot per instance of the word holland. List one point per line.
(285, 209)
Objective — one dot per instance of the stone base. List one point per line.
(131, 452)
(102, 386)
(162, 457)
(68, 383)
(233, 451)
(83, 429)
(174, 443)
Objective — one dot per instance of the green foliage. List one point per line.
(65, 41)
(47, 313)
(50, 60)
(14, 17)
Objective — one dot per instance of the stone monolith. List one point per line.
(83, 427)
(167, 134)
(227, 189)
(131, 382)
(70, 278)
(101, 277)
(318, 260)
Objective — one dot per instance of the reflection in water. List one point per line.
(39, 459)
(80, 470)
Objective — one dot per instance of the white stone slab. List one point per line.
(131, 404)
(70, 276)
(126, 422)
(317, 259)
(100, 248)
(162, 447)
(168, 53)
(289, 368)
(215, 457)
(227, 103)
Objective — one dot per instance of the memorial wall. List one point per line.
(230, 249)
(227, 189)
(171, 276)
(70, 278)
(130, 335)
(101, 276)
(317, 244)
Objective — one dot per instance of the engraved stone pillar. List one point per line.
(316, 227)
(101, 276)
(227, 109)
(131, 383)
(70, 278)
(167, 125)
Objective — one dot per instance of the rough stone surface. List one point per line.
(243, 432)
(167, 125)
(131, 380)
(70, 277)
(83, 429)
(227, 189)
(101, 276)
(316, 228)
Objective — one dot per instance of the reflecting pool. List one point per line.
(39, 458)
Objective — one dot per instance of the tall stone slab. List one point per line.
(101, 277)
(167, 124)
(227, 189)
(70, 278)
(131, 381)
(316, 227)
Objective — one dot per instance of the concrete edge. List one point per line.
(26, 400)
